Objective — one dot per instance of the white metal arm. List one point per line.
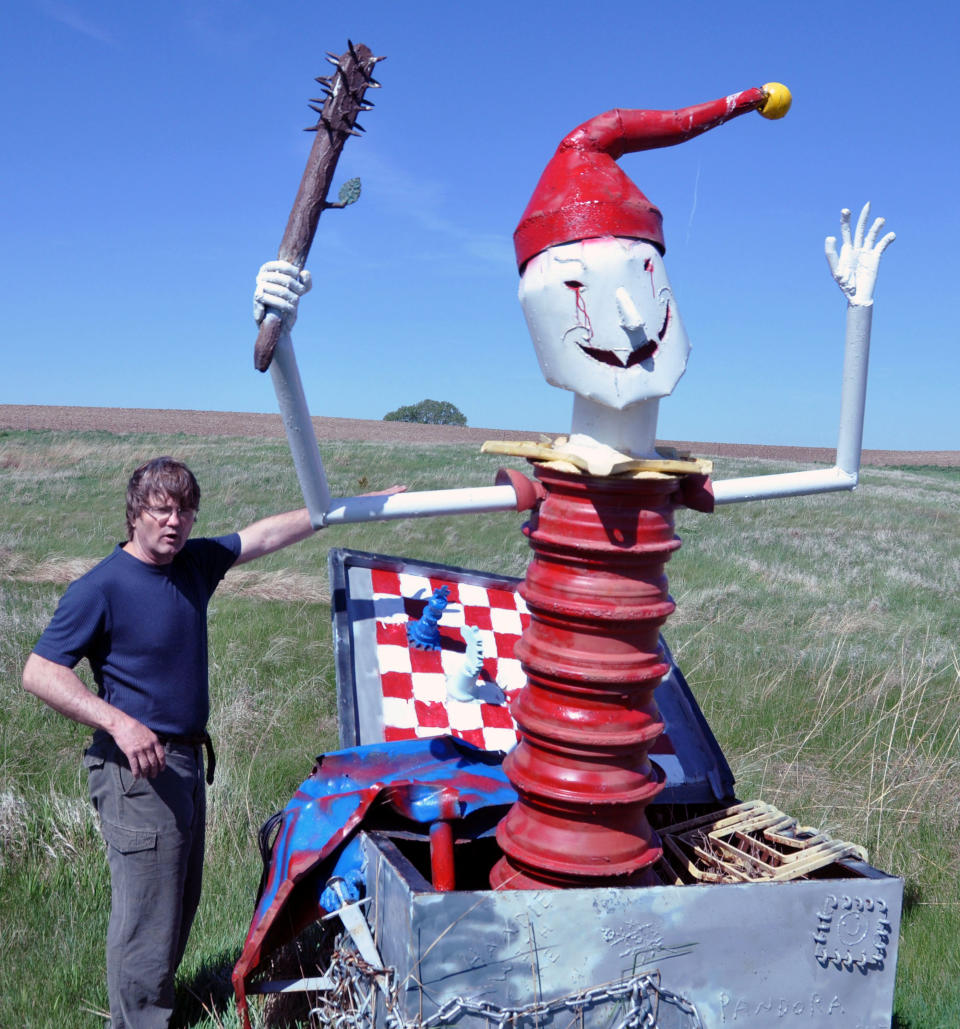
(325, 510)
(299, 428)
(855, 271)
(279, 287)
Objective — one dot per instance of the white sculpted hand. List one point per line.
(856, 268)
(279, 288)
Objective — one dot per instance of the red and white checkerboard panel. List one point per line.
(413, 682)
(415, 701)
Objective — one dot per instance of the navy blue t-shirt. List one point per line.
(143, 629)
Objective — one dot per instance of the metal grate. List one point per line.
(748, 842)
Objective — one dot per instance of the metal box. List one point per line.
(816, 951)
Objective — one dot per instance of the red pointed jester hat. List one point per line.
(583, 192)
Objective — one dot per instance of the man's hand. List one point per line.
(61, 689)
(279, 288)
(855, 270)
(143, 750)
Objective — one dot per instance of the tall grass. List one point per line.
(819, 635)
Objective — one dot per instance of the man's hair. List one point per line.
(159, 477)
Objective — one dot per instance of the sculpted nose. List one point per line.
(630, 317)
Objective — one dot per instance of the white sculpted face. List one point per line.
(603, 320)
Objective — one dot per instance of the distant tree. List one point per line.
(429, 412)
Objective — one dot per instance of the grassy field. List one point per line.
(819, 635)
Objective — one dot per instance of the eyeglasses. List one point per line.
(164, 514)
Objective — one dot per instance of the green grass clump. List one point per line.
(818, 634)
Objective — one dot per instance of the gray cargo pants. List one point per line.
(154, 831)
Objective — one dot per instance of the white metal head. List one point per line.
(603, 320)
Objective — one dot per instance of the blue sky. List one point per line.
(152, 152)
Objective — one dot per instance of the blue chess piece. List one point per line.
(424, 633)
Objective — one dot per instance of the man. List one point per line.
(140, 618)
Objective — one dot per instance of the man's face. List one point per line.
(161, 529)
(603, 320)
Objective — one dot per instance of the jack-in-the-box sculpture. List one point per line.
(620, 944)
(605, 325)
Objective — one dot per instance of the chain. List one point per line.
(641, 990)
(349, 1003)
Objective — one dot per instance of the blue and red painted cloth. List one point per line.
(421, 780)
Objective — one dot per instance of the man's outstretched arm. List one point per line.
(274, 533)
(279, 531)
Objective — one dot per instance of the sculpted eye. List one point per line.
(648, 265)
(573, 284)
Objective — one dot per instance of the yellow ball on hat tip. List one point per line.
(778, 100)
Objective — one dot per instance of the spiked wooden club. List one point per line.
(343, 99)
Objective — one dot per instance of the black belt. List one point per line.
(197, 739)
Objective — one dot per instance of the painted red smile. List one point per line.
(635, 357)
(609, 357)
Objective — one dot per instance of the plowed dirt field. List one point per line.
(238, 423)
